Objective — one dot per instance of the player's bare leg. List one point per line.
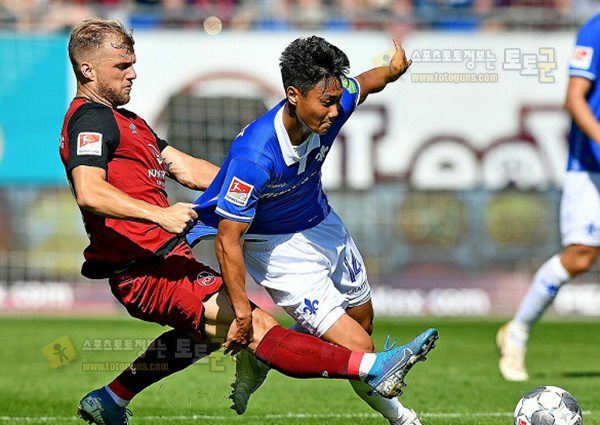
(360, 318)
(512, 338)
(363, 314)
(348, 333)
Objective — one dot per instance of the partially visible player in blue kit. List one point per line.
(269, 193)
(579, 209)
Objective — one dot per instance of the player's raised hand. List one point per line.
(176, 218)
(399, 65)
(239, 336)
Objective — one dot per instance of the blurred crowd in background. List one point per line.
(396, 16)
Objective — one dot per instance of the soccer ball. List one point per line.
(548, 406)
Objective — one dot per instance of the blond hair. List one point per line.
(90, 35)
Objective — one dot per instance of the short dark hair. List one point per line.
(307, 61)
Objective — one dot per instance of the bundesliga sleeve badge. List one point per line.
(582, 57)
(239, 192)
(89, 144)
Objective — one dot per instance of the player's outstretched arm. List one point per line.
(231, 260)
(577, 105)
(96, 195)
(375, 80)
(191, 172)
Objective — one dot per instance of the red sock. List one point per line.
(305, 356)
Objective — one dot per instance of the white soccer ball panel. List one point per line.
(550, 399)
(530, 405)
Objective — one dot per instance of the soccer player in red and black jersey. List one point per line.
(117, 166)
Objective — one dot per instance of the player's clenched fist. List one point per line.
(176, 218)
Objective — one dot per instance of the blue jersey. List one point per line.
(584, 153)
(268, 182)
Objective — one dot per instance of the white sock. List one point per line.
(542, 291)
(390, 409)
(366, 363)
(120, 402)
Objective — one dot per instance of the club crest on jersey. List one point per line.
(239, 192)
(89, 144)
(206, 279)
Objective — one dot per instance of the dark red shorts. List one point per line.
(169, 292)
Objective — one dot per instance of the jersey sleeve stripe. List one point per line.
(233, 216)
(581, 73)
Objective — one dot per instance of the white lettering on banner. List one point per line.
(37, 295)
(532, 158)
(438, 302)
(581, 299)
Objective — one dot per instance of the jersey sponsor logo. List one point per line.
(276, 186)
(283, 192)
(358, 289)
(582, 57)
(156, 154)
(206, 278)
(322, 154)
(239, 192)
(89, 144)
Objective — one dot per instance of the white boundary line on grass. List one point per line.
(286, 416)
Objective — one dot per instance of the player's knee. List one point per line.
(578, 259)
(582, 264)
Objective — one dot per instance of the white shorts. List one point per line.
(313, 275)
(580, 209)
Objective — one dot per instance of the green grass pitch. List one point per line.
(459, 384)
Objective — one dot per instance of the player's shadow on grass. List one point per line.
(588, 374)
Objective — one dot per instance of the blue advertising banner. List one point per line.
(33, 100)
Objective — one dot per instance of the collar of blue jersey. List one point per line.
(289, 155)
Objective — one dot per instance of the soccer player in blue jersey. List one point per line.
(580, 204)
(269, 193)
